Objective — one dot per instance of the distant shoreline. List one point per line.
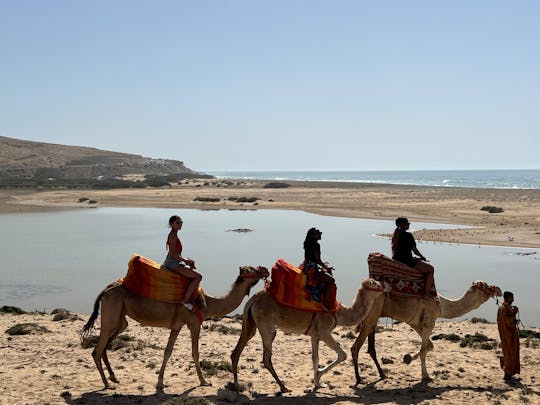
(518, 225)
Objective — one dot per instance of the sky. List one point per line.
(278, 85)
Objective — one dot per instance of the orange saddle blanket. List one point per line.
(288, 287)
(148, 278)
(404, 280)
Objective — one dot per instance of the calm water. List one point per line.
(516, 179)
(64, 259)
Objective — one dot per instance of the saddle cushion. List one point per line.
(288, 287)
(404, 280)
(150, 279)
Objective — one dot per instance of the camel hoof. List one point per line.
(205, 384)
(427, 379)
(114, 379)
(407, 359)
(284, 390)
(160, 386)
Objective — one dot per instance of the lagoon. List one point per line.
(64, 259)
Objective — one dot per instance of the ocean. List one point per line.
(509, 179)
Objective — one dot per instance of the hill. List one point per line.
(33, 163)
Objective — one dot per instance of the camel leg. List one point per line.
(268, 333)
(327, 338)
(123, 327)
(195, 330)
(248, 331)
(425, 347)
(168, 351)
(373, 353)
(315, 360)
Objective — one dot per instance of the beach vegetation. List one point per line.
(479, 341)
(213, 367)
(527, 333)
(83, 199)
(479, 320)
(207, 199)
(6, 309)
(243, 199)
(223, 329)
(491, 209)
(26, 329)
(276, 184)
(452, 337)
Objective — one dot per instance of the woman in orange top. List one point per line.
(175, 262)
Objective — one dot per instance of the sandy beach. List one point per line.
(51, 367)
(518, 225)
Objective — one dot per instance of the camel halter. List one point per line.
(259, 273)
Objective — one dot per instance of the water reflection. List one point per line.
(63, 259)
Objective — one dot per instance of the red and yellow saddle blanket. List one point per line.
(405, 281)
(288, 287)
(148, 278)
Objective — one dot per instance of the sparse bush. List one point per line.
(213, 367)
(276, 184)
(26, 329)
(479, 320)
(207, 199)
(225, 330)
(452, 337)
(83, 199)
(527, 333)
(491, 209)
(6, 309)
(479, 340)
(187, 401)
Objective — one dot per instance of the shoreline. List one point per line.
(517, 226)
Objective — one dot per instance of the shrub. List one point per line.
(479, 340)
(26, 329)
(479, 320)
(452, 337)
(11, 310)
(276, 184)
(491, 209)
(207, 199)
(213, 367)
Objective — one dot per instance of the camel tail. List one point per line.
(89, 326)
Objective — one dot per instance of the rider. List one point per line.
(175, 262)
(319, 273)
(403, 246)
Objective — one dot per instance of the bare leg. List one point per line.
(195, 280)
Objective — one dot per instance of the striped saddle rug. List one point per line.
(288, 287)
(405, 281)
(150, 279)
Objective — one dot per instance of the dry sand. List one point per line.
(52, 368)
(518, 225)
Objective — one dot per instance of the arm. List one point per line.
(416, 251)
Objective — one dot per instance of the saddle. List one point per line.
(288, 287)
(150, 279)
(405, 281)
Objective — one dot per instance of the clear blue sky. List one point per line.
(267, 85)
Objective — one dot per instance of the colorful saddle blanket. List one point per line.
(404, 280)
(288, 287)
(148, 278)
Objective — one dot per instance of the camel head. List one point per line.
(252, 275)
(488, 290)
(374, 285)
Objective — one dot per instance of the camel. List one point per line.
(262, 312)
(421, 315)
(118, 302)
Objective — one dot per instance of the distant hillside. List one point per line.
(21, 161)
